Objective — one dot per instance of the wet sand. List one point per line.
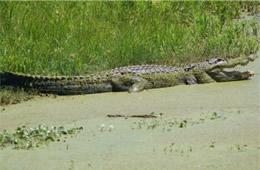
(229, 141)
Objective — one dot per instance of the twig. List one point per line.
(133, 116)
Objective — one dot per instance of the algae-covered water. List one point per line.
(210, 126)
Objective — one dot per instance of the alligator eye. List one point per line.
(220, 59)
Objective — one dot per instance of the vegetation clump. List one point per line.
(27, 138)
(10, 95)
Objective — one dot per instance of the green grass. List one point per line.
(72, 38)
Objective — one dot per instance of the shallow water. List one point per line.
(230, 142)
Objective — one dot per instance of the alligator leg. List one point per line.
(138, 85)
(203, 78)
(128, 83)
(190, 79)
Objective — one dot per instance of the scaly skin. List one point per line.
(132, 78)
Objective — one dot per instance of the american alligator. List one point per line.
(132, 78)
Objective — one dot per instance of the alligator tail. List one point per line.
(62, 85)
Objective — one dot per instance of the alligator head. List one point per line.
(215, 69)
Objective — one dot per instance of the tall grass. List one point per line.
(81, 37)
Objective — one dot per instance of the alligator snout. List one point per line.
(251, 73)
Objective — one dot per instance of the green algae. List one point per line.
(143, 148)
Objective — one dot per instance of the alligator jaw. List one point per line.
(223, 76)
(230, 63)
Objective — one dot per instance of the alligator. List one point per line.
(132, 78)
